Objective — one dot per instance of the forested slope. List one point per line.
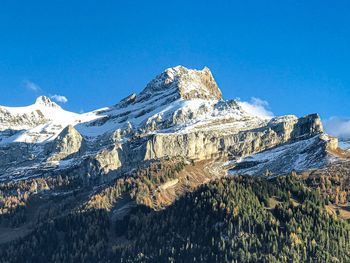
(240, 219)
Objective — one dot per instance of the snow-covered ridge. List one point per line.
(37, 122)
(178, 99)
(180, 113)
(298, 156)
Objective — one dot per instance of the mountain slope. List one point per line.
(179, 113)
(96, 186)
(238, 219)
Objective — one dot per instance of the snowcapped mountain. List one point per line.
(177, 99)
(180, 112)
(35, 123)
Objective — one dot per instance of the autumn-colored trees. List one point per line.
(238, 219)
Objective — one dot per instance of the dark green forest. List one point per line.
(238, 219)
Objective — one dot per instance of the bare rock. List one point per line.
(184, 83)
(69, 143)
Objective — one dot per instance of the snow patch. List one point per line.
(298, 156)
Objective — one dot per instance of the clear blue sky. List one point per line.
(293, 54)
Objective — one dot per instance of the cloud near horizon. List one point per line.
(335, 126)
(59, 98)
(339, 127)
(257, 107)
(31, 86)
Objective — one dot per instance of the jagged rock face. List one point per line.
(127, 101)
(186, 84)
(332, 143)
(25, 120)
(108, 159)
(46, 102)
(103, 165)
(297, 128)
(201, 145)
(69, 143)
(179, 113)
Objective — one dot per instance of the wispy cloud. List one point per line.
(59, 98)
(31, 86)
(339, 127)
(257, 107)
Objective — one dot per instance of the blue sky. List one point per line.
(293, 54)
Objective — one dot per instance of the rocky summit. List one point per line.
(180, 113)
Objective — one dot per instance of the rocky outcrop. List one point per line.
(69, 143)
(291, 127)
(108, 159)
(46, 102)
(19, 121)
(127, 101)
(184, 83)
(332, 143)
(201, 145)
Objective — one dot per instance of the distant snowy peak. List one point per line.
(45, 102)
(42, 111)
(177, 98)
(38, 122)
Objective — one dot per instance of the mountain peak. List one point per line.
(45, 101)
(185, 83)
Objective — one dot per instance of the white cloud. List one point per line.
(256, 107)
(59, 98)
(339, 127)
(31, 86)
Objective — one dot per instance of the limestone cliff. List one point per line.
(185, 83)
(69, 143)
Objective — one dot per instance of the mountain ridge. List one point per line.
(179, 113)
